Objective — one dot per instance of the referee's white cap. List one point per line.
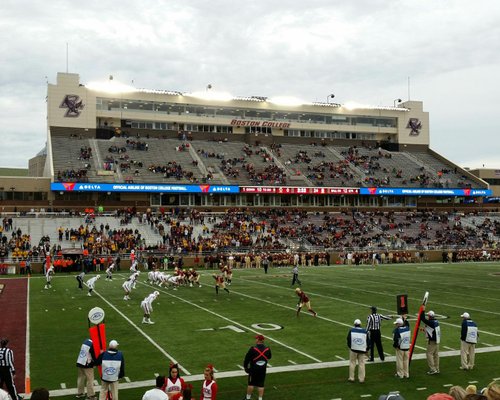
(357, 322)
(113, 344)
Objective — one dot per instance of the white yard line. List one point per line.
(409, 298)
(169, 356)
(367, 305)
(274, 370)
(27, 379)
(319, 316)
(234, 322)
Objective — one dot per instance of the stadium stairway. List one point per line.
(357, 172)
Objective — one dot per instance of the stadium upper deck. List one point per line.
(138, 146)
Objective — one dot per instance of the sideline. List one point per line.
(271, 370)
(364, 305)
(27, 379)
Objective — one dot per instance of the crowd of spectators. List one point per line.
(381, 236)
(72, 175)
(85, 153)
(172, 170)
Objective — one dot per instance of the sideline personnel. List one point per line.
(85, 364)
(255, 365)
(433, 335)
(373, 327)
(357, 341)
(7, 370)
(113, 368)
(401, 342)
(469, 336)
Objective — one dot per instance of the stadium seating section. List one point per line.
(148, 160)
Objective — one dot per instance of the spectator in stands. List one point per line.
(457, 393)
(40, 394)
(156, 393)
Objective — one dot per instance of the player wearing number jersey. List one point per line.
(147, 307)
(304, 301)
(219, 283)
(48, 277)
(127, 286)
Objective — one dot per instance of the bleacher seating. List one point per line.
(145, 160)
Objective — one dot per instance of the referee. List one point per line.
(373, 328)
(7, 370)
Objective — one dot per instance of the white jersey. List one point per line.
(174, 280)
(110, 269)
(134, 276)
(133, 267)
(127, 286)
(152, 276)
(49, 273)
(147, 303)
(91, 282)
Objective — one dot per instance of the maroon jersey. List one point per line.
(303, 297)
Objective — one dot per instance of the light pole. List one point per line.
(330, 96)
(396, 100)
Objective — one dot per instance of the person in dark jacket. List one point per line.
(468, 337)
(255, 365)
(433, 335)
(85, 364)
(113, 368)
(401, 342)
(357, 341)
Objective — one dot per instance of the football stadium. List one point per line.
(176, 228)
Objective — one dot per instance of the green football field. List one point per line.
(194, 327)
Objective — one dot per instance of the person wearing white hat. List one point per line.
(433, 335)
(113, 368)
(468, 337)
(401, 342)
(357, 341)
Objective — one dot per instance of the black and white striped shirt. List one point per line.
(374, 320)
(7, 358)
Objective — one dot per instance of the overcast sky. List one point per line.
(360, 50)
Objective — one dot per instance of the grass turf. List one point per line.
(196, 327)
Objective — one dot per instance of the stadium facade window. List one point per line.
(24, 196)
(258, 129)
(112, 104)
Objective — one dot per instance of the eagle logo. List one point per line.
(74, 105)
(415, 125)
